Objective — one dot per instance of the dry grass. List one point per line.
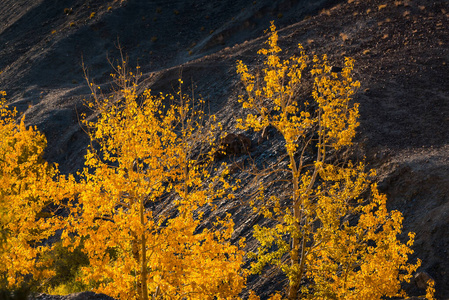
(326, 12)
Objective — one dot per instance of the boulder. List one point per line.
(233, 144)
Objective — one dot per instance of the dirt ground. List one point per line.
(401, 51)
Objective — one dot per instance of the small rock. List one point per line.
(421, 279)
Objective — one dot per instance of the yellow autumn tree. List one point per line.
(30, 193)
(333, 238)
(145, 151)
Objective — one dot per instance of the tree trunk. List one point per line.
(143, 268)
(294, 256)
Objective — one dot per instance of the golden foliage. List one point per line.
(30, 191)
(149, 175)
(430, 290)
(143, 150)
(328, 233)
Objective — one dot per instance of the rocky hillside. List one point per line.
(401, 49)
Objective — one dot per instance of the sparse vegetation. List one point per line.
(68, 11)
(66, 265)
(344, 36)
